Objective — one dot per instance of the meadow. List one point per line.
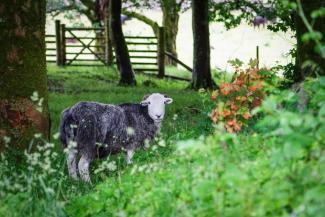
(274, 167)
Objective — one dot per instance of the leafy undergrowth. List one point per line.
(278, 170)
(39, 185)
(273, 167)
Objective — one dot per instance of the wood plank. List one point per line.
(143, 51)
(165, 76)
(84, 60)
(141, 43)
(143, 57)
(170, 55)
(140, 37)
(80, 45)
(90, 65)
(142, 63)
(85, 38)
(84, 29)
(145, 69)
(176, 78)
(71, 53)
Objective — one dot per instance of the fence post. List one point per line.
(258, 56)
(58, 42)
(161, 52)
(63, 44)
(108, 44)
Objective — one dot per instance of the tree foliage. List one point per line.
(232, 13)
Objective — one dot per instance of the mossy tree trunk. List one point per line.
(121, 49)
(22, 71)
(201, 77)
(306, 54)
(171, 11)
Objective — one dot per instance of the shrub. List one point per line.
(235, 100)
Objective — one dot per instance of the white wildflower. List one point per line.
(112, 166)
(6, 139)
(35, 96)
(40, 102)
(130, 131)
(162, 143)
(56, 135)
(146, 143)
(37, 135)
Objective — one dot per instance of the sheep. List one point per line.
(97, 130)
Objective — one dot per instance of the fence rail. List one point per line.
(50, 48)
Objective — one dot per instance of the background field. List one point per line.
(239, 42)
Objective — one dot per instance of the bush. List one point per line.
(235, 100)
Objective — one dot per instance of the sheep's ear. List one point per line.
(145, 97)
(144, 102)
(168, 100)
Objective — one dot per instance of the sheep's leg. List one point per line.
(129, 156)
(83, 167)
(72, 166)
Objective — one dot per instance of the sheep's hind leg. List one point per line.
(129, 156)
(72, 166)
(83, 167)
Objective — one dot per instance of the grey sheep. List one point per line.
(96, 130)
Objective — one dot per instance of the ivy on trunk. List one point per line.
(308, 61)
(23, 72)
(170, 10)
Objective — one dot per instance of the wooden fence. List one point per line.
(89, 47)
(50, 48)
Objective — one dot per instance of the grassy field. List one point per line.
(274, 167)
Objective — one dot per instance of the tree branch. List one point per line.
(153, 24)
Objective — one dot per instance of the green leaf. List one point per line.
(318, 13)
(322, 81)
(316, 36)
(236, 62)
(315, 193)
(291, 150)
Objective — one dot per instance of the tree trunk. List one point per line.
(109, 57)
(201, 77)
(306, 51)
(100, 43)
(22, 72)
(121, 49)
(170, 10)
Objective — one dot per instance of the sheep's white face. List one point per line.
(156, 105)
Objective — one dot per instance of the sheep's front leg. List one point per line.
(72, 164)
(83, 167)
(129, 156)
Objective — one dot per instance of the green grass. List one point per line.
(100, 84)
(276, 167)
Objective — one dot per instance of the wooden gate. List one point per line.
(82, 47)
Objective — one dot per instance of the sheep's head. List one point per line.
(156, 105)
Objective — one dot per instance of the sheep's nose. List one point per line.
(158, 116)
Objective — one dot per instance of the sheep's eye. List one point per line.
(148, 103)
